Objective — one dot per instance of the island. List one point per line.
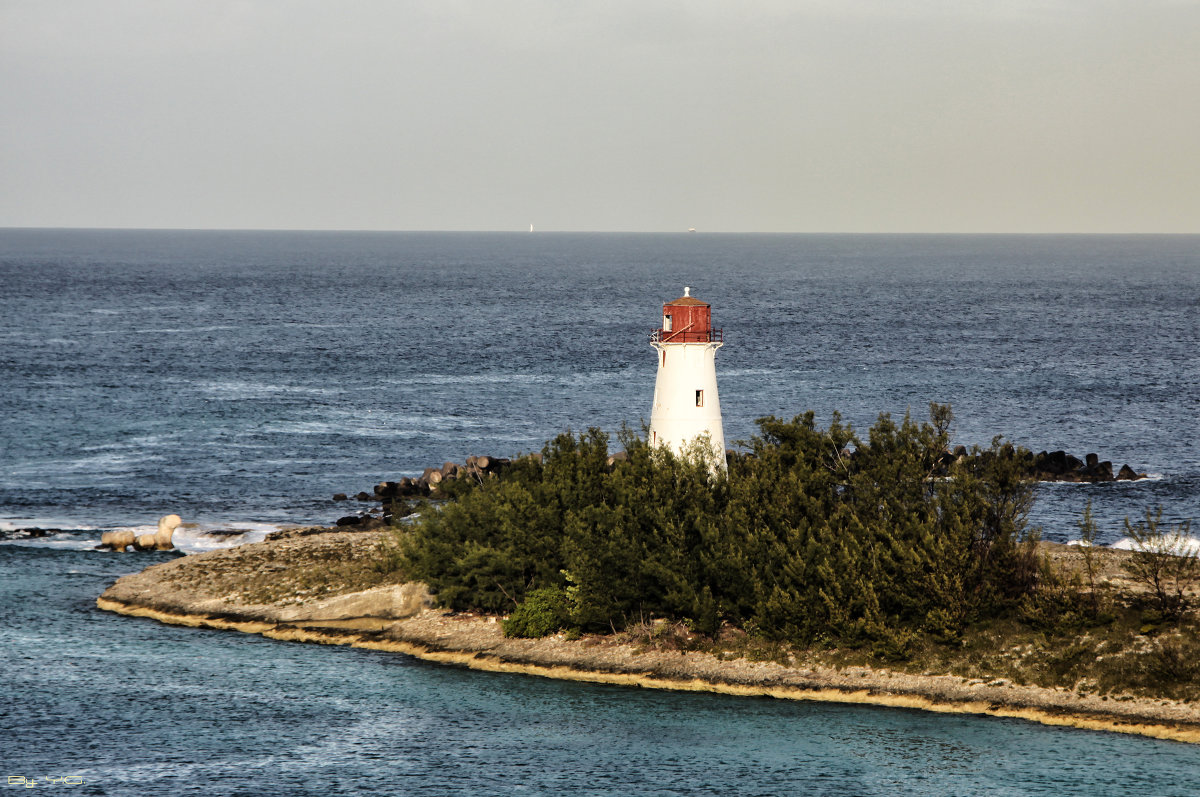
(822, 567)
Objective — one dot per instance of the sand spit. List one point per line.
(200, 591)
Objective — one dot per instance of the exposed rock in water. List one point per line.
(161, 540)
(1046, 466)
(1129, 474)
(1059, 466)
(117, 540)
(432, 481)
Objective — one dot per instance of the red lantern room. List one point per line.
(686, 320)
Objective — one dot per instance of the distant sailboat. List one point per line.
(531, 228)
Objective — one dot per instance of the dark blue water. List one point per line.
(249, 376)
(240, 378)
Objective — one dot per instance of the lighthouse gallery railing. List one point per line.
(688, 336)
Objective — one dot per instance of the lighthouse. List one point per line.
(686, 404)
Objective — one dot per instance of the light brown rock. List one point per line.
(166, 529)
(117, 540)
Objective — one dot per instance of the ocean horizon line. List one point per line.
(681, 232)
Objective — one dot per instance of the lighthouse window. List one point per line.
(666, 323)
(699, 398)
(664, 365)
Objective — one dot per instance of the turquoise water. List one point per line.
(135, 707)
(240, 379)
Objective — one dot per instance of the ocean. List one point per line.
(240, 379)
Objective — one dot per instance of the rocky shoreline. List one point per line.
(316, 585)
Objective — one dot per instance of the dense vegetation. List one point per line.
(813, 536)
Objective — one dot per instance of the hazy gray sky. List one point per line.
(811, 115)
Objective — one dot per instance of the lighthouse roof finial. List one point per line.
(687, 291)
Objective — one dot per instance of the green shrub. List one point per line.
(543, 612)
(812, 535)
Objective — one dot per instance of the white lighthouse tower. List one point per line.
(686, 404)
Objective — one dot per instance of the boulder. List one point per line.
(166, 530)
(117, 540)
(144, 542)
(1128, 474)
(340, 497)
(1058, 466)
(1054, 462)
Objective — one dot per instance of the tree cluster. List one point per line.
(812, 535)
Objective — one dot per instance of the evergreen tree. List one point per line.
(813, 535)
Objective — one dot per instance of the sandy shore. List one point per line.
(310, 587)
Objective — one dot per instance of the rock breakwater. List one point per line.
(1050, 466)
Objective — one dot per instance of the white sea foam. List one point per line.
(201, 537)
(750, 372)
(176, 330)
(380, 425)
(584, 379)
(12, 524)
(237, 389)
(469, 379)
(1057, 485)
(1180, 546)
(64, 541)
(189, 538)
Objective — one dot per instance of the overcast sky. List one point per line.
(805, 116)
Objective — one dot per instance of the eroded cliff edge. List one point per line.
(319, 585)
